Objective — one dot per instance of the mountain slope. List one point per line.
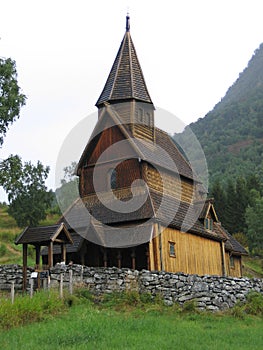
(231, 134)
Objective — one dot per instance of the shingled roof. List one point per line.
(43, 235)
(162, 153)
(125, 80)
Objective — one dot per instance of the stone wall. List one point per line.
(210, 292)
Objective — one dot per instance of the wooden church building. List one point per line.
(139, 204)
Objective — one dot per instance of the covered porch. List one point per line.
(48, 236)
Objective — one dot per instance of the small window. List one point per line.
(147, 118)
(209, 224)
(232, 262)
(172, 249)
(140, 115)
(112, 179)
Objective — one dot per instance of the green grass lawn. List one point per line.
(143, 326)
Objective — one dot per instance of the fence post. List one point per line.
(48, 282)
(12, 292)
(61, 286)
(70, 281)
(45, 283)
(81, 274)
(31, 281)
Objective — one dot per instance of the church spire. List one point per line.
(127, 23)
(125, 81)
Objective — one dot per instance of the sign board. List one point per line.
(43, 274)
(34, 275)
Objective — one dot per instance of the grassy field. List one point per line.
(131, 323)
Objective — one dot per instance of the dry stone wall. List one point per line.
(210, 292)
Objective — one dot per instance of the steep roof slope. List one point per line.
(125, 80)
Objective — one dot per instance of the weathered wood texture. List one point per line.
(104, 142)
(234, 267)
(127, 172)
(193, 254)
(165, 182)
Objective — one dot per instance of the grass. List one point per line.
(130, 321)
(253, 267)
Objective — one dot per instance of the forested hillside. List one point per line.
(231, 136)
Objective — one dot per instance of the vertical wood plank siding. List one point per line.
(193, 254)
(236, 270)
(105, 140)
(127, 172)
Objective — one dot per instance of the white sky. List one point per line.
(190, 52)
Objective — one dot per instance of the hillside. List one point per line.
(9, 252)
(231, 135)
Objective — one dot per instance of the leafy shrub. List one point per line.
(254, 304)
(190, 306)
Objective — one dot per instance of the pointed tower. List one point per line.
(126, 91)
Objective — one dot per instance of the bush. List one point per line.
(254, 304)
(190, 306)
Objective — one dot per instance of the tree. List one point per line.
(24, 183)
(69, 190)
(11, 99)
(254, 223)
(218, 193)
(27, 193)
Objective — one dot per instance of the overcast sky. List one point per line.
(190, 52)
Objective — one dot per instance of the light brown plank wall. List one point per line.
(194, 254)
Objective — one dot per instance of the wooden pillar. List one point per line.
(119, 258)
(105, 257)
(63, 252)
(50, 254)
(24, 266)
(133, 256)
(160, 247)
(147, 253)
(223, 258)
(37, 247)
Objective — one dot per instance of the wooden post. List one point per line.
(37, 247)
(61, 286)
(81, 274)
(160, 247)
(70, 281)
(31, 281)
(105, 257)
(133, 256)
(63, 252)
(12, 292)
(50, 254)
(147, 253)
(119, 258)
(48, 282)
(223, 259)
(45, 280)
(24, 266)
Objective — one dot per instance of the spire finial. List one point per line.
(127, 22)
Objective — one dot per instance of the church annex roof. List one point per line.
(125, 80)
